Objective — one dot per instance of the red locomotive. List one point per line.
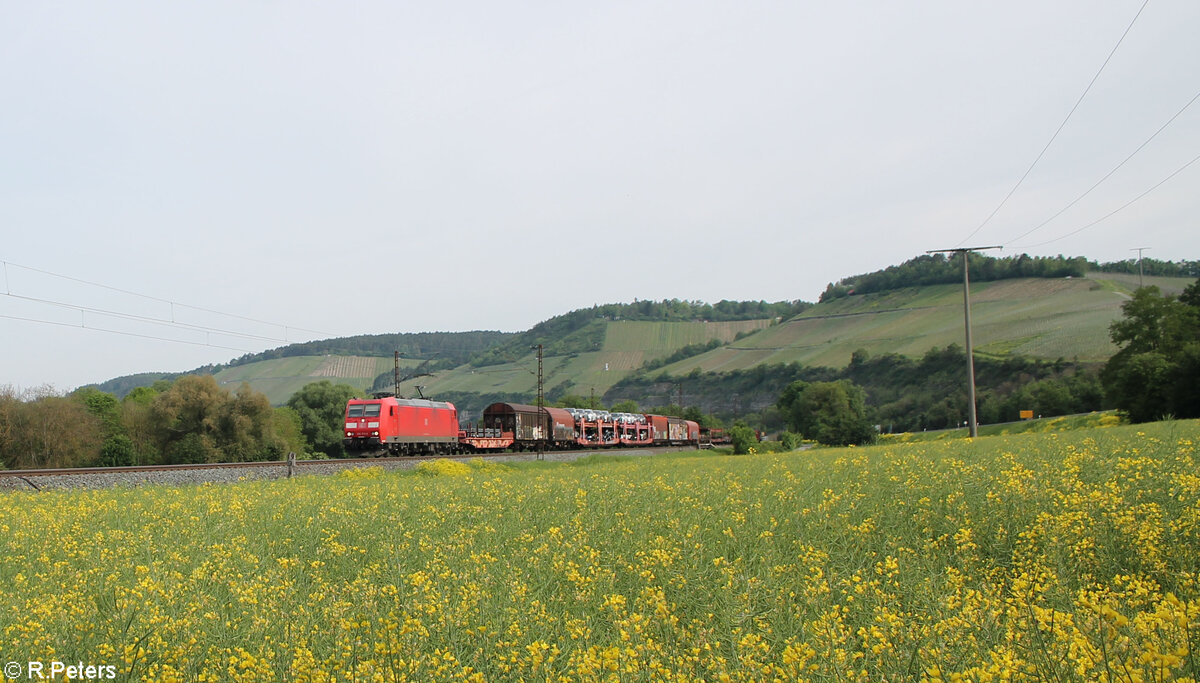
(401, 426)
(407, 426)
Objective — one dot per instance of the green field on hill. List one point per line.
(281, 377)
(625, 346)
(1043, 318)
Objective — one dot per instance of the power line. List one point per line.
(1118, 209)
(1109, 174)
(154, 298)
(1060, 127)
(147, 319)
(127, 334)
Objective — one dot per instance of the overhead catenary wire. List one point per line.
(1109, 174)
(1117, 210)
(154, 298)
(147, 319)
(81, 325)
(1058, 130)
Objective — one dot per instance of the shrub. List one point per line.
(743, 439)
(117, 451)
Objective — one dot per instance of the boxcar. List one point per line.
(526, 423)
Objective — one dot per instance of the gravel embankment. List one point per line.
(220, 475)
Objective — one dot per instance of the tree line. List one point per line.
(454, 347)
(1152, 267)
(940, 269)
(188, 420)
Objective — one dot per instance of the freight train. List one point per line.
(419, 426)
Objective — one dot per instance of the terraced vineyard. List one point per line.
(280, 378)
(1044, 318)
(625, 347)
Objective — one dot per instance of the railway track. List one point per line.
(104, 477)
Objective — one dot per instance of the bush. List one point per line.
(743, 439)
(832, 413)
(117, 451)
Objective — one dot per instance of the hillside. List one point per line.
(281, 371)
(618, 349)
(1042, 318)
(591, 350)
(280, 378)
(1039, 318)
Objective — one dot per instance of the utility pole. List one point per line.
(1139, 250)
(967, 317)
(541, 442)
(396, 373)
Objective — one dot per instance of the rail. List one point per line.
(26, 474)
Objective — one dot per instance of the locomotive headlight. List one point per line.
(374, 433)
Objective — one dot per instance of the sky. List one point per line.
(183, 183)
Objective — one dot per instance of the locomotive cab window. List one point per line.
(372, 410)
(355, 411)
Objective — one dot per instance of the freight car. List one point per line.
(408, 426)
(522, 427)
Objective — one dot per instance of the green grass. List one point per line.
(1102, 419)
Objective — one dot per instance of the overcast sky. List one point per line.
(348, 168)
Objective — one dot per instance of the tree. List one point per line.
(42, 428)
(198, 421)
(696, 415)
(833, 413)
(627, 406)
(104, 406)
(117, 450)
(185, 419)
(1139, 386)
(743, 438)
(1157, 370)
(117, 447)
(321, 408)
(1142, 328)
(138, 420)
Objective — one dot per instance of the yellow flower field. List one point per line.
(1066, 557)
